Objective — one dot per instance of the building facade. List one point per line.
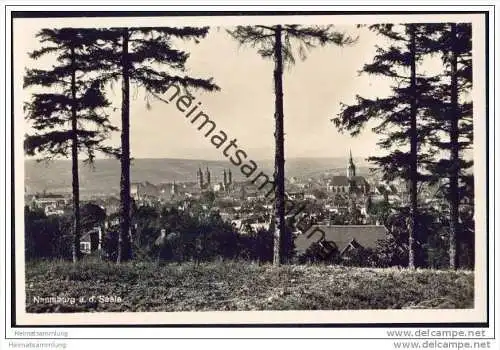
(349, 183)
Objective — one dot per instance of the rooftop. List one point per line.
(342, 180)
(366, 235)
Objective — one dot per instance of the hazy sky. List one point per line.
(244, 108)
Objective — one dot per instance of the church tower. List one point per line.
(207, 175)
(199, 175)
(173, 190)
(351, 168)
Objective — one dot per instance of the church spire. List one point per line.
(207, 175)
(200, 178)
(351, 168)
(173, 190)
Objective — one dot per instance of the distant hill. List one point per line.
(104, 178)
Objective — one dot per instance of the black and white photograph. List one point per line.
(177, 168)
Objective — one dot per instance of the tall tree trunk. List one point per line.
(279, 160)
(454, 156)
(413, 150)
(125, 154)
(74, 164)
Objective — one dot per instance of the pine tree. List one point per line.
(279, 43)
(71, 116)
(402, 117)
(143, 56)
(452, 118)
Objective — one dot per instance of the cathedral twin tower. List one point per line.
(204, 180)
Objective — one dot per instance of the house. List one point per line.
(91, 241)
(254, 223)
(53, 211)
(343, 237)
(50, 203)
(143, 191)
(294, 195)
(218, 187)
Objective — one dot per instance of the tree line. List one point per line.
(425, 124)
(430, 113)
(163, 233)
(100, 57)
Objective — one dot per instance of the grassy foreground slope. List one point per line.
(240, 286)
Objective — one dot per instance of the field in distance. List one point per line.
(104, 177)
